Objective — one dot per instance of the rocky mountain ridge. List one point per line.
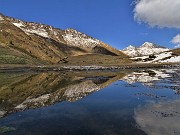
(36, 43)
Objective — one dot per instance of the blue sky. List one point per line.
(111, 21)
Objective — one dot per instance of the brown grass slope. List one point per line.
(20, 47)
(176, 51)
(97, 59)
(33, 46)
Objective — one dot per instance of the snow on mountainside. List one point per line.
(151, 53)
(79, 39)
(68, 36)
(34, 30)
(146, 49)
(164, 57)
(131, 51)
(1, 18)
(39, 43)
(38, 29)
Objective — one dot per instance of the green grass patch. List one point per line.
(6, 129)
(10, 59)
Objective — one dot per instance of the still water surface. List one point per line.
(143, 102)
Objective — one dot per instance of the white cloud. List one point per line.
(161, 13)
(176, 39)
(161, 118)
(177, 46)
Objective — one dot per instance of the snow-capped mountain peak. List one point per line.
(130, 47)
(145, 49)
(131, 51)
(148, 45)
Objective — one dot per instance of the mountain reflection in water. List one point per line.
(23, 91)
(143, 102)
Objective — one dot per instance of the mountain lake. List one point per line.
(128, 102)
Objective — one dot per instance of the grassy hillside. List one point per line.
(32, 43)
(33, 46)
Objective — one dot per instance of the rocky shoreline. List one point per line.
(23, 68)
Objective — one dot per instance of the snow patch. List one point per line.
(19, 25)
(149, 51)
(172, 59)
(162, 56)
(1, 18)
(79, 39)
(39, 31)
(165, 57)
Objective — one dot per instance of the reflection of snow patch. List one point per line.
(145, 77)
(139, 77)
(35, 101)
(76, 92)
(159, 118)
(2, 113)
(161, 74)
